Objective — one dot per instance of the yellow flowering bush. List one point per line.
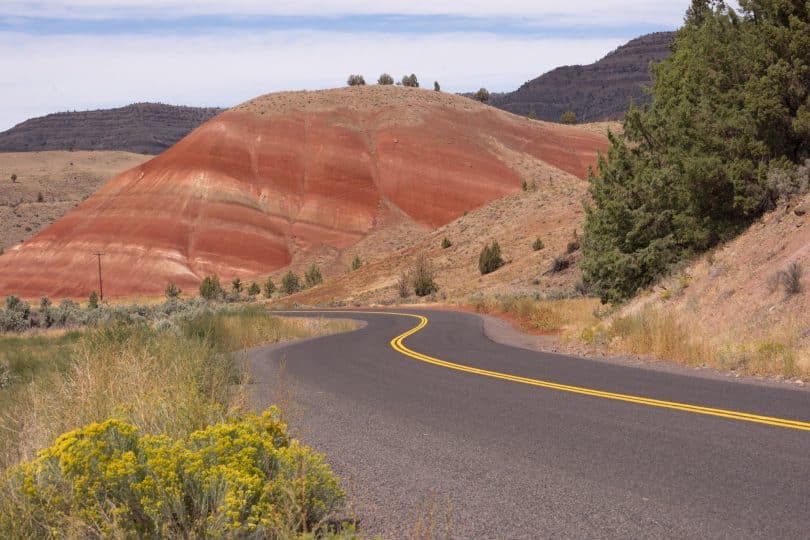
(242, 478)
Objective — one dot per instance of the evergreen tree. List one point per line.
(690, 170)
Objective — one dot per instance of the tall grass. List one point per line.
(172, 380)
(152, 438)
(565, 317)
(664, 335)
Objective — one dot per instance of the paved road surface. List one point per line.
(483, 457)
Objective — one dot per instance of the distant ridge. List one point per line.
(144, 128)
(596, 92)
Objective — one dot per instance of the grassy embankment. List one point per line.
(651, 331)
(170, 379)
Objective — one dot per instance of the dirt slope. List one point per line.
(288, 177)
(146, 128)
(732, 296)
(63, 178)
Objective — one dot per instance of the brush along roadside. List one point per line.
(147, 415)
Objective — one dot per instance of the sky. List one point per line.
(63, 55)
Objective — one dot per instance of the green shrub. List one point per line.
(691, 170)
(290, 283)
(269, 287)
(210, 289)
(254, 289)
(92, 300)
(172, 291)
(356, 262)
(242, 478)
(410, 81)
(236, 285)
(356, 80)
(446, 243)
(402, 286)
(568, 117)
(559, 264)
(436, 86)
(790, 279)
(538, 244)
(313, 276)
(385, 79)
(490, 258)
(482, 95)
(422, 276)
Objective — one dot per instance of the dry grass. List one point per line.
(64, 179)
(653, 331)
(564, 317)
(170, 381)
(433, 520)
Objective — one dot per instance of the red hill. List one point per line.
(271, 181)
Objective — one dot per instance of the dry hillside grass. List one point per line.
(64, 179)
(732, 308)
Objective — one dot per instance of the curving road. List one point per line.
(432, 425)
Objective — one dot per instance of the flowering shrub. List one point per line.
(240, 478)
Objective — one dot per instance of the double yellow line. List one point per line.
(398, 345)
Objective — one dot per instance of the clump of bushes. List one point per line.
(236, 286)
(172, 291)
(290, 283)
(269, 287)
(423, 276)
(402, 286)
(538, 244)
(568, 117)
(92, 300)
(490, 258)
(446, 243)
(356, 262)
(560, 263)
(482, 95)
(356, 80)
(385, 79)
(410, 81)
(210, 288)
(529, 185)
(253, 289)
(698, 179)
(243, 477)
(790, 279)
(313, 276)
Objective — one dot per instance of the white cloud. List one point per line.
(604, 12)
(46, 74)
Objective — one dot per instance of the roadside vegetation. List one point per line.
(726, 137)
(137, 425)
(650, 331)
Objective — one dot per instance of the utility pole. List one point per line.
(100, 286)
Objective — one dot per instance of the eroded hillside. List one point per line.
(289, 177)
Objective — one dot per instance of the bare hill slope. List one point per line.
(289, 176)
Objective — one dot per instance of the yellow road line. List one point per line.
(398, 345)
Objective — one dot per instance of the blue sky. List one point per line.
(84, 54)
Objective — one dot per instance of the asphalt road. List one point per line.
(424, 446)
